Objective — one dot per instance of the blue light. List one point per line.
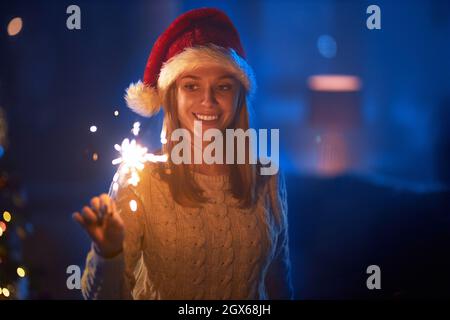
(2, 151)
(327, 46)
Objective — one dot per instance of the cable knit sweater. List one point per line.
(218, 251)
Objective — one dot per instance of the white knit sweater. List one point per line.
(218, 251)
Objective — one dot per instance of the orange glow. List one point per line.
(14, 26)
(21, 233)
(333, 158)
(334, 83)
(2, 226)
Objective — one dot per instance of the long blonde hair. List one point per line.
(184, 189)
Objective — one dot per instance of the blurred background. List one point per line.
(364, 130)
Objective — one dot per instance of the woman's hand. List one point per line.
(103, 224)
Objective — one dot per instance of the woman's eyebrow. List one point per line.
(191, 76)
(227, 76)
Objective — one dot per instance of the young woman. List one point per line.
(197, 231)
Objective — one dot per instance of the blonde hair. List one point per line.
(181, 183)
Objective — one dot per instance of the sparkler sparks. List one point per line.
(132, 159)
(163, 136)
(136, 128)
(133, 205)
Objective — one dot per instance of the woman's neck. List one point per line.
(214, 169)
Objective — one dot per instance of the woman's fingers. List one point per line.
(88, 227)
(79, 218)
(95, 204)
(90, 217)
(113, 218)
(99, 217)
(105, 204)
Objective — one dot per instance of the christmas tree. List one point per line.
(13, 227)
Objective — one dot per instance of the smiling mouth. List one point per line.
(206, 117)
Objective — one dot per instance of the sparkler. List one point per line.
(133, 156)
(132, 160)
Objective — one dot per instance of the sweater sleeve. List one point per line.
(278, 277)
(114, 278)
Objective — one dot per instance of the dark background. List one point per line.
(367, 170)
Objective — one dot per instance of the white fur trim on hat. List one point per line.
(192, 58)
(143, 99)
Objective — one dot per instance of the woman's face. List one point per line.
(209, 95)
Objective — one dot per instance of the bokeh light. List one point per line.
(7, 216)
(327, 46)
(334, 83)
(15, 26)
(21, 272)
(5, 292)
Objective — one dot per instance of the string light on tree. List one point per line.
(21, 272)
(13, 276)
(5, 292)
(7, 216)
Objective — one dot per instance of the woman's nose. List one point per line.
(209, 99)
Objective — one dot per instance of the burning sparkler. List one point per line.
(132, 159)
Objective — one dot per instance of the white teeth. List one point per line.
(205, 117)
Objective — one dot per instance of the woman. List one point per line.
(199, 231)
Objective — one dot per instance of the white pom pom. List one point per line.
(143, 99)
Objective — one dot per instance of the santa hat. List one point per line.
(196, 38)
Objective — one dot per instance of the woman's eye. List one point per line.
(191, 86)
(225, 87)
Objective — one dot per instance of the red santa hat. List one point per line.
(196, 38)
